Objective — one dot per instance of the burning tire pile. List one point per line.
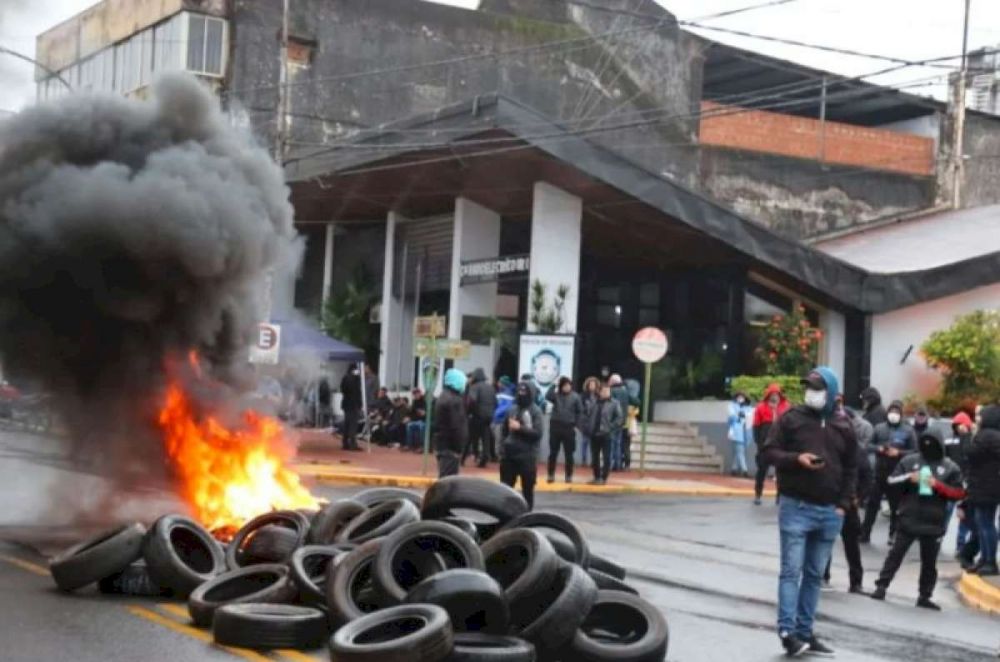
(389, 576)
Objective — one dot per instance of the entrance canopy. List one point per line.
(297, 336)
(493, 150)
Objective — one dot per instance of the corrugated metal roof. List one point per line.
(921, 243)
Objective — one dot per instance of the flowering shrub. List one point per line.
(789, 343)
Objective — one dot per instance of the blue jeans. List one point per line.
(415, 434)
(616, 449)
(740, 457)
(964, 527)
(808, 532)
(584, 449)
(986, 525)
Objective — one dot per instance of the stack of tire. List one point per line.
(389, 576)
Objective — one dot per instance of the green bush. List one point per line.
(789, 343)
(967, 354)
(754, 386)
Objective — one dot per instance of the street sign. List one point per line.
(266, 347)
(441, 349)
(430, 326)
(649, 344)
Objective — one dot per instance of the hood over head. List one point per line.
(991, 417)
(895, 405)
(961, 418)
(931, 445)
(773, 388)
(455, 380)
(563, 381)
(871, 396)
(478, 375)
(823, 377)
(525, 394)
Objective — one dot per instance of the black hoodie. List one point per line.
(984, 459)
(927, 515)
(482, 396)
(874, 410)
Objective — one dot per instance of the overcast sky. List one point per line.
(906, 29)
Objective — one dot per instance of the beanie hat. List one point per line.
(455, 380)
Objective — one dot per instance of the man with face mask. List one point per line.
(815, 453)
(928, 481)
(921, 421)
(893, 439)
(522, 430)
(871, 406)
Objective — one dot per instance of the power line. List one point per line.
(733, 12)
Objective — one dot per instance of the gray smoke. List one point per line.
(131, 232)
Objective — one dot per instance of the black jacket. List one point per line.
(956, 448)
(602, 418)
(350, 390)
(984, 459)
(450, 426)
(802, 430)
(875, 413)
(901, 437)
(567, 408)
(927, 515)
(482, 396)
(418, 409)
(522, 443)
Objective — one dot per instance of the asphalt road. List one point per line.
(709, 564)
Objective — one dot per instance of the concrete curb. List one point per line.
(978, 593)
(422, 482)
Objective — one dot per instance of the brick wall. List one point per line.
(801, 137)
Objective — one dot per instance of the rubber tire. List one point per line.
(554, 629)
(651, 647)
(99, 557)
(608, 567)
(270, 544)
(167, 568)
(466, 526)
(346, 580)
(379, 521)
(539, 566)
(299, 523)
(433, 642)
(269, 626)
(133, 581)
(474, 647)
(376, 496)
(465, 594)
(608, 583)
(486, 496)
(301, 567)
(458, 551)
(269, 583)
(332, 519)
(556, 522)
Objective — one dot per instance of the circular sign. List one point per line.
(267, 337)
(649, 344)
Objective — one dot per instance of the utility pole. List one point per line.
(958, 98)
(280, 129)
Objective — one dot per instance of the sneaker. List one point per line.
(927, 603)
(793, 645)
(856, 589)
(550, 479)
(826, 586)
(988, 570)
(878, 594)
(817, 647)
(756, 501)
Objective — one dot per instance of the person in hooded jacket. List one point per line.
(928, 482)
(955, 448)
(450, 425)
(893, 440)
(740, 413)
(567, 410)
(871, 404)
(815, 452)
(589, 396)
(350, 402)
(921, 421)
(601, 422)
(769, 410)
(620, 393)
(984, 488)
(522, 432)
(482, 401)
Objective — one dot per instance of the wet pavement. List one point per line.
(709, 564)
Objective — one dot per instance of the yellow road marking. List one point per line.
(25, 565)
(176, 610)
(194, 633)
(296, 656)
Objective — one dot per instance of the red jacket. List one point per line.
(764, 416)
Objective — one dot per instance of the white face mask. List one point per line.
(815, 399)
(894, 418)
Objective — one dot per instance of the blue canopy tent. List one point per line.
(295, 335)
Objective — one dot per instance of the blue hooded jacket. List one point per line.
(455, 380)
(832, 388)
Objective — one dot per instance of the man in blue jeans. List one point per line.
(815, 453)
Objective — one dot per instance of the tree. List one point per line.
(967, 354)
(346, 313)
(789, 343)
(544, 317)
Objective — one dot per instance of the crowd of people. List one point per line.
(835, 465)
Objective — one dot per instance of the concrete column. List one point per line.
(476, 236)
(556, 234)
(390, 317)
(833, 350)
(328, 262)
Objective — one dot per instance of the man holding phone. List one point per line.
(815, 453)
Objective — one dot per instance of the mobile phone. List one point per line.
(817, 461)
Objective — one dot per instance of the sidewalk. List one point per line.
(980, 592)
(320, 458)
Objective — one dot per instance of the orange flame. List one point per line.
(228, 476)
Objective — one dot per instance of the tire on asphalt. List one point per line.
(555, 627)
(623, 628)
(473, 647)
(560, 524)
(133, 581)
(376, 496)
(350, 587)
(265, 583)
(470, 493)
(290, 519)
(607, 566)
(270, 544)
(405, 633)
(308, 567)
(608, 583)
(181, 555)
(523, 562)
(466, 526)
(475, 602)
(379, 521)
(269, 626)
(99, 557)
(402, 560)
(332, 519)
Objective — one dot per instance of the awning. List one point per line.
(298, 336)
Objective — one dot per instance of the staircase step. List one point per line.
(689, 460)
(670, 466)
(685, 449)
(671, 438)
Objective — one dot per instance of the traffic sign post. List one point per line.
(649, 346)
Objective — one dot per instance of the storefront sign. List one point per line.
(493, 269)
(546, 358)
